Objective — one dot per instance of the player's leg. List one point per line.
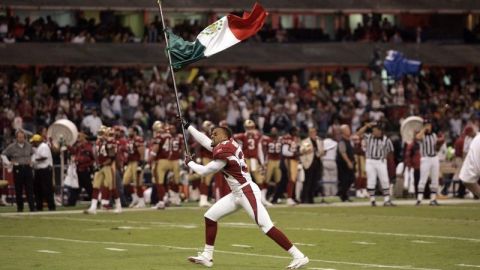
(434, 176)
(252, 203)
(161, 171)
(262, 182)
(424, 173)
(109, 172)
(385, 184)
(292, 165)
(204, 184)
(127, 180)
(97, 181)
(174, 191)
(221, 208)
(371, 171)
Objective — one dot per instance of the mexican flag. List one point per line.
(219, 36)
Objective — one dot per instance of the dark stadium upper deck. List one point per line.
(315, 6)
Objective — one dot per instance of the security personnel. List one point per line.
(345, 163)
(377, 147)
(42, 164)
(311, 154)
(19, 154)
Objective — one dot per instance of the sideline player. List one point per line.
(135, 160)
(228, 158)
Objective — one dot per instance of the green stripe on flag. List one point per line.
(184, 52)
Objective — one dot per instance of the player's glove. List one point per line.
(188, 158)
(184, 122)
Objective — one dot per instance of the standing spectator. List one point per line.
(42, 164)
(345, 164)
(330, 174)
(63, 84)
(19, 154)
(133, 99)
(92, 122)
(311, 153)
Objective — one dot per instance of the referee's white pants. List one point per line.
(377, 168)
(249, 198)
(429, 166)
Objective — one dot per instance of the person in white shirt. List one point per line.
(42, 165)
(92, 122)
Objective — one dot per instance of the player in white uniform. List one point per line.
(470, 172)
(377, 148)
(228, 158)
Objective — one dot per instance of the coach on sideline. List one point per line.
(42, 163)
(19, 153)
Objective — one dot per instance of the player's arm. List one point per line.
(421, 134)
(201, 138)
(363, 129)
(212, 167)
(261, 156)
(153, 152)
(286, 150)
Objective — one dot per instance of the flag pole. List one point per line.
(179, 110)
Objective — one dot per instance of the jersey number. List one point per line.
(251, 144)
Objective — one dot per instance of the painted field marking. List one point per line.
(116, 249)
(363, 243)
(316, 268)
(402, 267)
(422, 242)
(386, 234)
(48, 251)
(468, 265)
(241, 246)
(304, 244)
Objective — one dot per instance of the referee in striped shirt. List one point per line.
(429, 162)
(377, 147)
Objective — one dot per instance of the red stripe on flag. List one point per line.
(248, 25)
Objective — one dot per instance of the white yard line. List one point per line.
(304, 244)
(363, 243)
(48, 251)
(402, 267)
(241, 246)
(316, 268)
(116, 249)
(468, 265)
(422, 242)
(387, 234)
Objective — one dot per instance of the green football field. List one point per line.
(340, 238)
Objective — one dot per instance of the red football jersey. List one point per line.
(236, 171)
(273, 146)
(132, 148)
(122, 150)
(250, 143)
(291, 141)
(164, 145)
(176, 147)
(105, 150)
(204, 153)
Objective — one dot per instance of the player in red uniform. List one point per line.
(135, 160)
(273, 146)
(251, 141)
(160, 152)
(106, 152)
(290, 147)
(174, 163)
(228, 158)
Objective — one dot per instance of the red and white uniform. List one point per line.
(290, 146)
(176, 147)
(132, 148)
(273, 147)
(251, 142)
(105, 151)
(122, 152)
(229, 158)
(163, 141)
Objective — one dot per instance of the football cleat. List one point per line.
(203, 260)
(90, 211)
(291, 202)
(160, 205)
(418, 203)
(389, 203)
(374, 204)
(140, 204)
(434, 203)
(298, 263)
(134, 203)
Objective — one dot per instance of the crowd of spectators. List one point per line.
(110, 29)
(91, 96)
